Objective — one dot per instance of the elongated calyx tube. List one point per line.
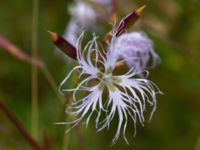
(129, 20)
(65, 46)
(124, 24)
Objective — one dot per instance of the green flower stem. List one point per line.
(69, 118)
(34, 72)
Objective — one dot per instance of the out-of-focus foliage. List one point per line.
(174, 25)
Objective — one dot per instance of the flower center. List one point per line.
(107, 79)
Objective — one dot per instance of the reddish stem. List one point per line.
(114, 6)
(46, 142)
(17, 53)
(20, 127)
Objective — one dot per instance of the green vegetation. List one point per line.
(174, 27)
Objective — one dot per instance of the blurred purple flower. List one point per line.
(83, 16)
(137, 50)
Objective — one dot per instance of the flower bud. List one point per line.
(129, 20)
(63, 45)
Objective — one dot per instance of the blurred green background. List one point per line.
(174, 26)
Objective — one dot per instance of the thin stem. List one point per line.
(20, 127)
(114, 6)
(34, 74)
(52, 83)
(46, 142)
(66, 136)
(65, 141)
(79, 138)
(19, 54)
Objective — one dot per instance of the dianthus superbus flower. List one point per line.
(128, 95)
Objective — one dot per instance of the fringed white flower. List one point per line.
(128, 95)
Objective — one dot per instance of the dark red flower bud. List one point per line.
(63, 45)
(129, 20)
